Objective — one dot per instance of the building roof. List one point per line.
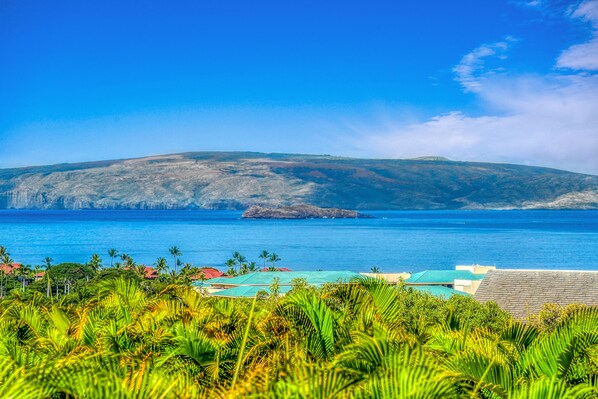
(248, 291)
(286, 278)
(442, 277)
(150, 273)
(208, 273)
(278, 269)
(523, 292)
(217, 280)
(9, 268)
(438, 290)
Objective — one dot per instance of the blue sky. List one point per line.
(501, 81)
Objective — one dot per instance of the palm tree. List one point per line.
(252, 267)
(161, 265)
(187, 272)
(48, 263)
(346, 341)
(95, 262)
(274, 258)
(242, 261)
(128, 262)
(6, 260)
(23, 273)
(2, 278)
(239, 258)
(275, 288)
(231, 263)
(265, 255)
(112, 253)
(197, 273)
(175, 252)
(375, 270)
(37, 270)
(139, 270)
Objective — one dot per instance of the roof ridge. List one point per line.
(544, 270)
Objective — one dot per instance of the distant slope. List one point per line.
(220, 180)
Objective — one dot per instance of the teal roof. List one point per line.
(285, 278)
(217, 280)
(442, 277)
(248, 291)
(438, 290)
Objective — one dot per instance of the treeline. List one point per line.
(61, 279)
(56, 280)
(119, 336)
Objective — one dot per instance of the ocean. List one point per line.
(393, 240)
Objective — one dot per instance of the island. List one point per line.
(238, 180)
(300, 212)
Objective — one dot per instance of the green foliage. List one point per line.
(552, 314)
(72, 271)
(119, 336)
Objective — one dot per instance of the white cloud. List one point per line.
(583, 56)
(549, 120)
(530, 3)
(469, 71)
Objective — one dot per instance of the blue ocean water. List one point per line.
(393, 240)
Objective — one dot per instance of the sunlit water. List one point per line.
(393, 240)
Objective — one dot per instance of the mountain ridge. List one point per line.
(237, 180)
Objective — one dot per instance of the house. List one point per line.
(464, 278)
(471, 286)
(391, 278)
(445, 278)
(149, 273)
(248, 285)
(438, 291)
(7, 269)
(207, 273)
(523, 292)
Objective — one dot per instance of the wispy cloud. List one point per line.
(548, 120)
(583, 56)
(529, 3)
(471, 70)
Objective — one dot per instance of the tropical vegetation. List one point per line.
(110, 333)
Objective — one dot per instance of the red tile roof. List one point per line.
(9, 268)
(148, 272)
(208, 273)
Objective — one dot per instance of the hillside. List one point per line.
(214, 180)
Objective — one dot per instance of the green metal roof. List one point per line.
(285, 278)
(248, 291)
(442, 277)
(217, 280)
(438, 290)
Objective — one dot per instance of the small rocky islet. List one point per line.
(300, 212)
